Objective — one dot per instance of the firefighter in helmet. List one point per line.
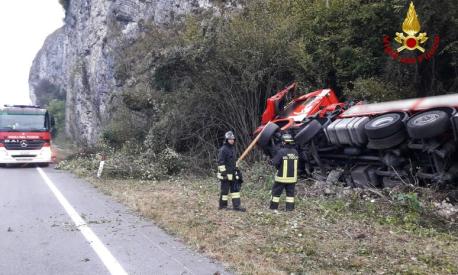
(285, 161)
(229, 175)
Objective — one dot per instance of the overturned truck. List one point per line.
(372, 145)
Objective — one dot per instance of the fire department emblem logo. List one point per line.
(411, 27)
(411, 39)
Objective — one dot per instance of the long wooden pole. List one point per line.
(252, 144)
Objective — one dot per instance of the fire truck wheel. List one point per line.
(308, 132)
(388, 142)
(384, 126)
(428, 124)
(267, 134)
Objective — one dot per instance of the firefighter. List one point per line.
(229, 174)
(286, 161)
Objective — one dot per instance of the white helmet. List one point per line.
(229, 135)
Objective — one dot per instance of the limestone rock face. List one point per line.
(78, 59)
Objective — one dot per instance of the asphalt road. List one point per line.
(54, 223)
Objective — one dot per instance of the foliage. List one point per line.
(46, 91)
(322, 236)
(192, 81)
(409, 200)
(56, 108)
(131, 161)
(81, 163)
(125, 125)
(373, 90)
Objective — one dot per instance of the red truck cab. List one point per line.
(288, 112)
(25, 135)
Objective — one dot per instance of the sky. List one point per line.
(24, 26)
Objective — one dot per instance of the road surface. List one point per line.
(54, 223)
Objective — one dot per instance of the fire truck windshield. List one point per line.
(22, 122)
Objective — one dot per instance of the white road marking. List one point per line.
(104, 254)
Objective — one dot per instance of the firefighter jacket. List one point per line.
(226, 162)
(286, 161)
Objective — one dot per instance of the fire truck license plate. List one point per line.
(24, 153)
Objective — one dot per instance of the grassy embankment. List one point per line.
(332, 231)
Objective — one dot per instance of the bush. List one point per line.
(80, 163)
(124, 125)
(56, 108)
(46, 91)
(374, 89)
(133, 163)
(187, 84)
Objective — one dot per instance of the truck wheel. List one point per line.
(428, 124)
(307, 133)
(389, 182)
(267, 134)
(384, 126)
(388, 142)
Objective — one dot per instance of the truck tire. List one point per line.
(388, 142)
(307, 132)
(389, 182)
(384, 126)
(428, 124)
(267, 134)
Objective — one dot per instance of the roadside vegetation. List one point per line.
(334, 230)
(185, 85)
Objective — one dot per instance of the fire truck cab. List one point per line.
(25, 135)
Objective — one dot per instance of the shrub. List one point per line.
(56, 108)
(374, 89)
(46, 91)
(187, 84)
(124, 126)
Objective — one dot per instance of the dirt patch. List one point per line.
(327, 234)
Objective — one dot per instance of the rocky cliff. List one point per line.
(78, 59)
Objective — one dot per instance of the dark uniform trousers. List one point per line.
(234, 187)
(286, 162)
(229, 177)
(277, 190)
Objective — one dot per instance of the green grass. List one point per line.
(355, 233)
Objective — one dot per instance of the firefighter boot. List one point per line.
(236, 202)
(290, 197)
(274, 202)
(289, 205)
(277, 189)
(239, 208)
(223, 202)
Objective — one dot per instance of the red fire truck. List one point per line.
(25, 135)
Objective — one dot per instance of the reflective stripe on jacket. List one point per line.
(286, 161)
